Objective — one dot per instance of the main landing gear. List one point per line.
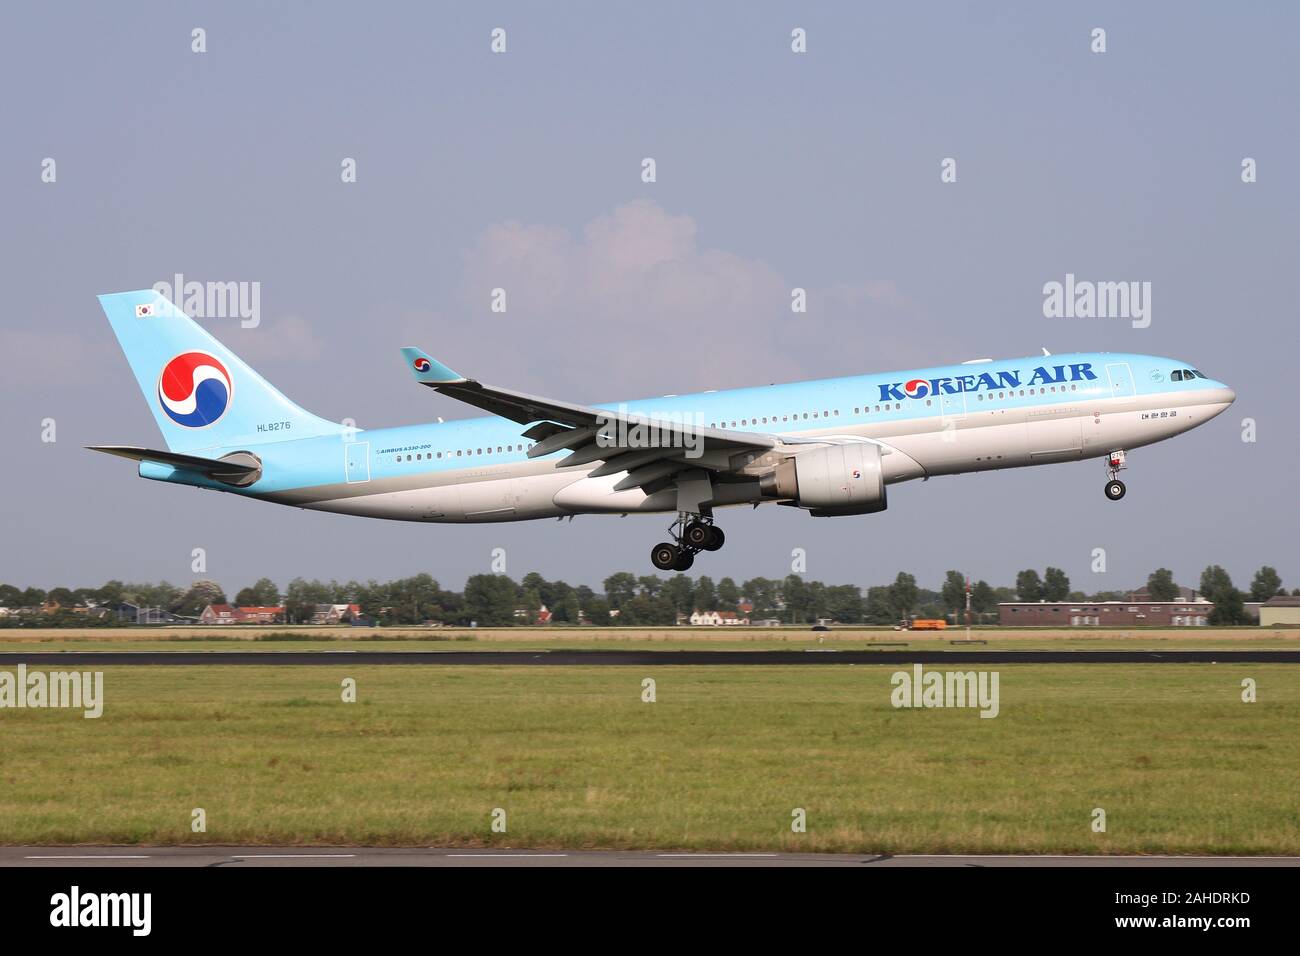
(1114, 465)
(691, 534)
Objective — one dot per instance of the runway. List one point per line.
(240, 857)
(632, 658)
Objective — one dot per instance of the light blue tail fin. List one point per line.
(202, 395)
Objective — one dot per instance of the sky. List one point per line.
(774, 170)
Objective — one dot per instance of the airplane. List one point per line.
(830, 447)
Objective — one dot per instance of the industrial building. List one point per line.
(1280, 611)
(1194, 613)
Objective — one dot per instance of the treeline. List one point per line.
(494, 600)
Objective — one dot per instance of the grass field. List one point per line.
(667, 638)
(576, 759)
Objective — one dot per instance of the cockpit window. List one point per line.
(1177, 375)
(1198, 373)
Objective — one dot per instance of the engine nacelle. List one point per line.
(836, 480)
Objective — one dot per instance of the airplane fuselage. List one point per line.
(937, 421)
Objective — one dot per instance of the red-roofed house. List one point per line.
(218, 614)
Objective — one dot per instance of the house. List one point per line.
(542, 615)
(218, 614)
(138, 614)
(259, 614)
(227, 614)
(717, 619)
(334, 613)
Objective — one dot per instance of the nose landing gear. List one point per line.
(1114, 465)
(691, 534)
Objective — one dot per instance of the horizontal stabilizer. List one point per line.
(238, 469)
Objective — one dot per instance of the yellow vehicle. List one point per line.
(928, 624)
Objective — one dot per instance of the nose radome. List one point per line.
(1229, 395)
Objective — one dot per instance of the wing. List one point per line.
(612, 439)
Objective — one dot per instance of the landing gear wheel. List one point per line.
(684, 561)
(698, 534)
(1115, 490)
(716, 539)
(665, 556)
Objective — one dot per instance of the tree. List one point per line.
(879, 610)
(680, 593)
(706, 595)
(843, 603)
(762, 593)
(902, 595)
(1028, 586)
(1267, 584)
(982, 598)
(199, 596)
(262, 594)
(301, 598)
(728, 595)
(597, 611)
(650, 585)
(1217, 586)
(620, 588)
(1161, 586)
(798, 600)
(567, 609)
(1056, 586)
(490, 600)
(32, 597)
(563, 602)
(954, 593)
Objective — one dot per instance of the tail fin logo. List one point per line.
(422, 364)
(194, 390)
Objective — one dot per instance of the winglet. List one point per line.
(427, 369)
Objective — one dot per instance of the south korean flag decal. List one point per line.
(144, 311)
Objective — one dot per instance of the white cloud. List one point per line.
(634, 296)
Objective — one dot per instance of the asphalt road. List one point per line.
(582, 658)
(109, 856)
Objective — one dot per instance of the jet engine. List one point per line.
(830, 480)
